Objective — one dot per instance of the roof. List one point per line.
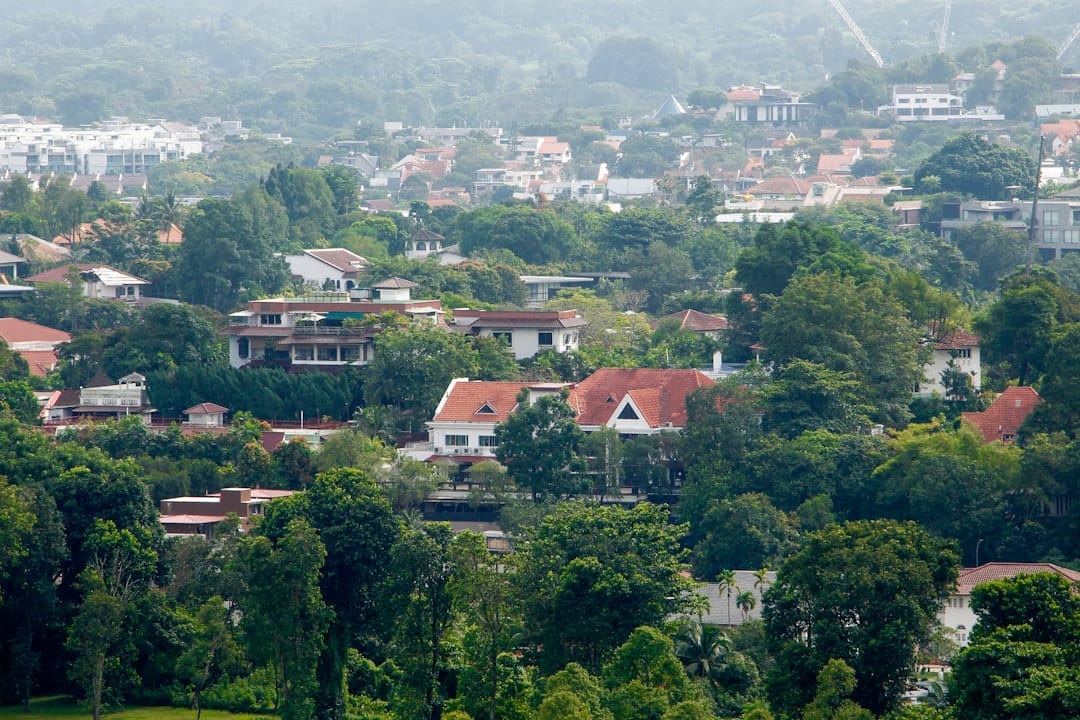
(696, 321)
(518, 319)
(957, 340)
(660, 394)
(110, 277)
(671, 106)
(426, 235)
(338, 258)
(781, 185)
(14, 330)
(743, 93)
(972, 577)
(206, 408)
(464, 400)
(834, 163)
(7, 258)
(41, 362)
(1006, 414)
(395, 283)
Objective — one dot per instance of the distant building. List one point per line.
(526, 332)
(1001, 421)
(1057, 229)
(768, 105)
(327, 268)
(962, 350)
(34, 343)
(98, 281)
(199, 515)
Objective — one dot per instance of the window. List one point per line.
(1076, 216)
(270, 319)
(327, 354)
(488, 441)
(243, 348)
(544, 339)
(1051, 236)
(349, 354)
(627, 413)
(1070, 236)
(131, 290)
(961, 353)
(1051, 217)
(486, 409)
(506, 338)
(457, 440)
(303, 352)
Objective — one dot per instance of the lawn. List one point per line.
(63, 708)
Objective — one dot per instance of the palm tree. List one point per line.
(703, 650)
(761, 580)
(725, 580)
(746, 602)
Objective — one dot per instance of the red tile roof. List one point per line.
(465, 398)
(14, 330)
(957, 340)
(1005, 415)
(659, 394)
(205, 408)
(971, 577)
(41, 362)
(696, 321)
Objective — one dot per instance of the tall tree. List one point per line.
(866, 593)
(972, 165)
(539, 444)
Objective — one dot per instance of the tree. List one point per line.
(864, 592)
(213, 651)
(535, 236)
(995, 250)
(644, 678)
(590, 575)
(725, 581)
(780, 250)
(632, 61)
(835, 683)
(704, 651)
(538, 444)
(746, 601)
(807, 396)
(974, 166)
(1060, 388)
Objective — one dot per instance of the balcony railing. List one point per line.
(333, 330)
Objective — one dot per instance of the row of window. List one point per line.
(329, 353)
(487, 441)
(1071, 236)
(543, 338)
(1053, 217)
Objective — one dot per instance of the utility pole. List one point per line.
(1034, 224)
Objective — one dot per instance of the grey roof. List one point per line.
(670, 107)
(7, 258)
(717, 613)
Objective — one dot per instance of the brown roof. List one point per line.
(1005, 415)
(14, 330)
(338, 258)
(743, 93)
(834, 163)
(466, 398)
(660, 394)
(781, 185)
(425, 234)
(41, 362)
(957, 340)
(395, 283)
(205, 408)
(67, 399)
(696, 321)
(971, 577)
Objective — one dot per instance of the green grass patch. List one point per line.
(64, 708)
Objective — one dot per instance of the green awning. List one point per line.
(344, 315)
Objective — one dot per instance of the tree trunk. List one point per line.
(330, 696)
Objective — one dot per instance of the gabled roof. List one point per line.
(206, 408)
(338, 258)
(781, 185)
(7, 258)
(426, 235)
(696, 321)
(41, 362)
(14, 330)
(1006, 414)
(465, 399)
(659, 393)
(971, 577)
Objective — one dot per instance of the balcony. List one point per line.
(333, 331)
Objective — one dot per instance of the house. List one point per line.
(9, 266)
(423, 243)
(956, 615)
(199, 515)
(541, 288)
(635, 401)
(35, 343)
(768, 105)
(962, 350)
(526, 332)
(711, 326)
(463, 427)
(1057, 228)
(619, 189)
(924, 102)
(206, 414)
(99, 281)
(327, 268)
(101, 399)
(1006, 414)
(320, 331)
(722, 608)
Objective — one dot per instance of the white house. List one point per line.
(327, 268)
(962, 349)
(527, 332)
(105, 400)
(957, 617)
(99, 281)
(206, 414)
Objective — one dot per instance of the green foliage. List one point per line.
(863, 592)
(535, 236)
(539, 444)
(971, 165)
(593, 574)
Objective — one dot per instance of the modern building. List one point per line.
(769, 105)
(526, 332)
(1057, 227)
(101, 399)
(199, 515)
(320, 331)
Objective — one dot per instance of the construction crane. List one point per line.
(857, 31)
(945, 27)
(1068, 42)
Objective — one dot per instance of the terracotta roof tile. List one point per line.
(1005, 415)
(596, 397)
(41, 362)
(205, 408)
(466, 398)
(696, 321)
(957, 340)
(14, 330)
(971, 577)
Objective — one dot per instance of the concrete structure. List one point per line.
(102, 400)
(327, 268)
(206, 414)
(768, 105)
(324, 331)
(99, 281)
(199, 515)
(1057, 229)
(542, 288)
(962, 349)
(527, 332)
(956, 615)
